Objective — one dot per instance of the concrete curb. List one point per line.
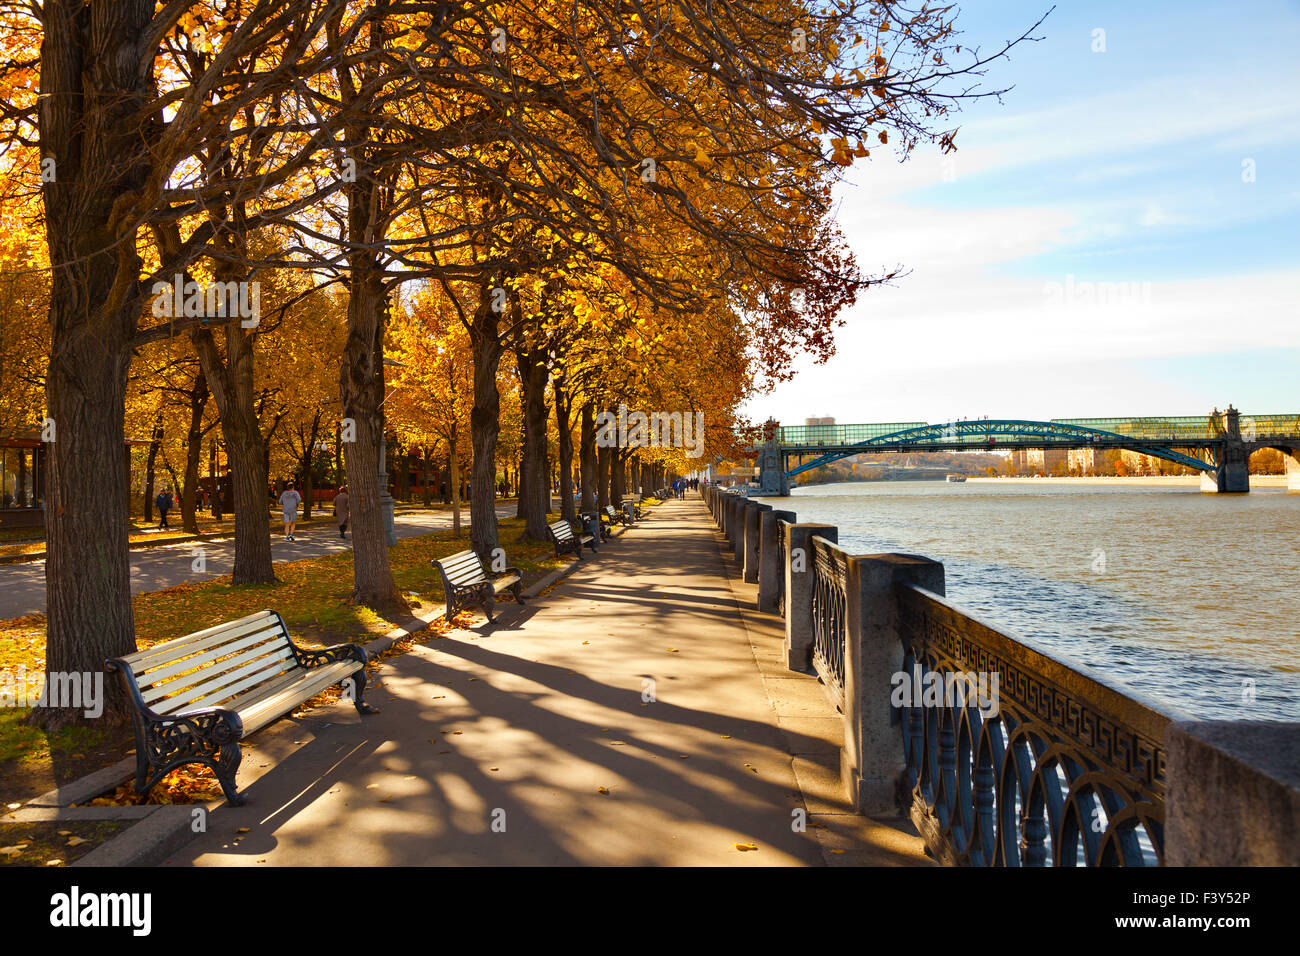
(149, 842)
(87, 787)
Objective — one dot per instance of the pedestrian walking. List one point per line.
(341, 510)
(289, 501)
(164, 505)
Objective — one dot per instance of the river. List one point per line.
(1184, 596)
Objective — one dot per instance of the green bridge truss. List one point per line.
(1157, 437)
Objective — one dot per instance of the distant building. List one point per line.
(1084, 460)
(819, 421)
(1035, 461)
(1139, 464)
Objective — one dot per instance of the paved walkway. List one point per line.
(636, 715)
(22, 586)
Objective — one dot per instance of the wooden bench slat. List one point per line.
(142, 660)
(166, 672)
(251, 696)
(216, 694)
(214, 673)
(257, 712)
(465, 576)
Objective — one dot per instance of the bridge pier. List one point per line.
(1292, 469)
(772, 481)
(1231, 459)
(1230, 477)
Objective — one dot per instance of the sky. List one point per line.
(1118, 236)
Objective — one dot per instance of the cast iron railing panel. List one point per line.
(1063, 770)
(829, 614)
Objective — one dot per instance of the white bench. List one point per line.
(465, 583)
(565, 540)
(196, 697)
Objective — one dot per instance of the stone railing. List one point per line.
(1002, 752)
(1015, 757)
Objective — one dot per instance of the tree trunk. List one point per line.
(587, 454)
(603, 458)
(424, 474)
(231, 381)
(361, 387)
(151, 469)
(485, 426)
(216, 480)
(563, 413)
(93, 94)
(453, 484)
(534, 503)
(194, 453)
(617, 478)
(305, 466)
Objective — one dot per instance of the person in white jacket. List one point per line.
(289, 502)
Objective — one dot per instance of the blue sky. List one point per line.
(1092, 248)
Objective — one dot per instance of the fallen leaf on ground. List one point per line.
(75, 841)
(604, 790)
(745, 847)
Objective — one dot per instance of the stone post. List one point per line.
(753, 519)
(736, 529)
(770, 569)
(871, 760)
(1232, 794)
(798, 591)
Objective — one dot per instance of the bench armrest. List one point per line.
(213, 724)
(330, 655)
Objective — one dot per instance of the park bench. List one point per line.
(636, 507)
(616, 517)
(565, 540)
(196, 697)
(465, 583)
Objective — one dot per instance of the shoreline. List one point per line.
(1256, 481)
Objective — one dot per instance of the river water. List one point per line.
(1186, 597)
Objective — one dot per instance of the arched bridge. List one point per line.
(1218, 445)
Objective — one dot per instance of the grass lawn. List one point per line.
(54, 843)
(310, 595)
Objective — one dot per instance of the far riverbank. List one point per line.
(1256, 481)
